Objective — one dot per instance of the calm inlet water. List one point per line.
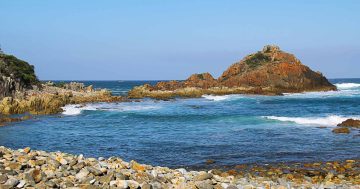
(230, 129)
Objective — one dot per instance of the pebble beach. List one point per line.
(27, 168)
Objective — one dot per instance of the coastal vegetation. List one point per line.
(10, 66)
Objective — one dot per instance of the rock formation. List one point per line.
(350, 123)
(21, 92)
(269, 72)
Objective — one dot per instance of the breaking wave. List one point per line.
(121, 107)
(343, 86)
(332, 120)
(221, 97)
(75, 109)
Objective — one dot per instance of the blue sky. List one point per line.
(141, 40)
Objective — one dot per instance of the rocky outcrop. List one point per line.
(350, 123)
(49, 100)
(21, 92)
(269, 72)
(16, 76)
(341, 130)
(275, 69)
(346, 126)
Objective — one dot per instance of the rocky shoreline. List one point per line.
(50, 99)
(26, 168)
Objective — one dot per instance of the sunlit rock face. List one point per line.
(274, 69)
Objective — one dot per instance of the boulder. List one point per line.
(350, 123)
(341, 130)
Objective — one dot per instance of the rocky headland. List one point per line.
(26, 168)
(22, 93)
(267, 72)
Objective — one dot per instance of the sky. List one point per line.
(171, 39)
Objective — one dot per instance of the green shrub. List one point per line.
(12, 67)
(257, 59)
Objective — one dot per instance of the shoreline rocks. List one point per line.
(346, 126)
(21, 92)
(49, 100)
(350, 123)
(267, 72)
(26, 168)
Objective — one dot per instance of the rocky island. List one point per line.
(267, 72)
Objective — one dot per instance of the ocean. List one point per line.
(230, 129)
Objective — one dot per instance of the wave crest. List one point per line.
(75, 109)
(332, 120)
(221, 97)
(347, 85)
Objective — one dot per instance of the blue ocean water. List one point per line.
(231, 129)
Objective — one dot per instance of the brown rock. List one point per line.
(15, 166)
(341, 130)
(136, 166)
(276, 69)
(350, 123)
(203, 80)
(37, 175)
(27, 150)
(210, 161)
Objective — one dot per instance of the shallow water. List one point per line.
(229, 129)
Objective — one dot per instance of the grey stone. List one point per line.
(51, 184)
(204, 185)
(203, 176)
(94, 171)
(146, 186)
(3, 179)
(21, 184)
(12, 182)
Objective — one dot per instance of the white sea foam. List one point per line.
(326, 94)
(125, 108)
(341, 86)
(75, 109)
(332, 120)
(215, 98)
(121, 107)
(222, 97)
